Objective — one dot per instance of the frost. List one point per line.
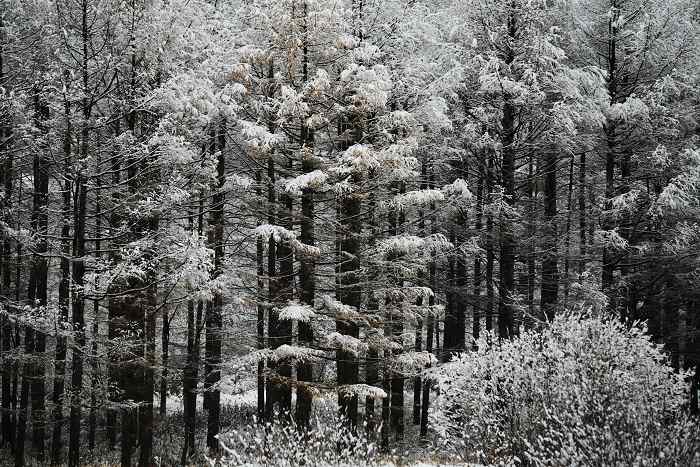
(287, 352)
(339, 310)
(316, 180)
(291, 105)
(345, 343)
(683, 192)
(279, 233)
(417, 198)
(458, 188)
(362, 391)
(296, 312)
(258, 137)
(238, 182)
(411, 363)
(360, 157)
(632, 108)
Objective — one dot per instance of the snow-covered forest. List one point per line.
(350, 232)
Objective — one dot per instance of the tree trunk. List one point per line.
(191, 371)
(478, 306)
(582, 212)
(63, 305)
(165, 350)
(8, 428)
(610, 156)
(489, 249)
(272, 321)
(307, 282)
(260, 328)
(213, 317)
(550, 273)
(507, 327)
(349, 291)
(78, 318)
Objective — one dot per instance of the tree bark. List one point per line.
(307, 282)
(550, 272)
(213, 316)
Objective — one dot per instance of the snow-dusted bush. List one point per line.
(583, 391)
(327, 442)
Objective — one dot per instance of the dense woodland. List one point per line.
(241, 216)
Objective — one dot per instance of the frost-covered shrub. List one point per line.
(583, 391)
(327, 442)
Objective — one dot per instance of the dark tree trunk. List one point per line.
(8, 428)
(78, 270)
(610, 157)
(489, 249)
(429, 348)
(63, 305)
(95, 360)
(191, 370)
(349, 291)
(449, 338)
(165, 352)
(213, 316)
(190, 376)
(478, 305)
(550, 272)
(260, 328)
(40, 227)
(373, 362)
(569, 215)
(582, 213)
(507, 327)
(417, 381)
(78, 319)
(145, 413)
(307, 282)
(272, 321)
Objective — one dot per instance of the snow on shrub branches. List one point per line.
(582, 391)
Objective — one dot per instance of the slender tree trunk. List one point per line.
(260, 258)
(113, 315)
(507, 327)
(8, 428)
(610, 156)
(63, 304)
(78, 270)
(28, 374)
(349, 291)
(78, 318)
(95, 360)
(307, 282)
(272, 320)
(397, 328)
(191, 370)
(489, 249)
(582, 213)
(429, 348)
(285, 292)
(550, 273)
(478, 306)
(165, 352)
(213, 317)
(40, 282)
(449, 338)
(373, 362)
(430, 325)
(569, 213)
